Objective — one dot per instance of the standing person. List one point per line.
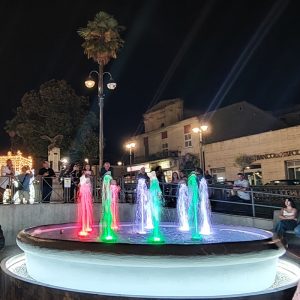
(240, 187)
(85, 204)
(47, 175)
(175, 177)
(160, 174)
(23, 181)
(75, 175)
(288, 218)
(106, 168)
(88, 170)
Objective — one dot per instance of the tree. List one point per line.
(102, 38)
(54, 116)
(244, 160)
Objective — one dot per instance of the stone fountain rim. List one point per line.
(271, 244)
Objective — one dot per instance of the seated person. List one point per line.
(288, 218)
(240, 187)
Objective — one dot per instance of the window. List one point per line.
(187, 140)
(293, 169)
(218, 174)
(165, 147)
(187, 131)
(164, 135)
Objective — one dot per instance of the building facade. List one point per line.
(234, 130)
(276, 156)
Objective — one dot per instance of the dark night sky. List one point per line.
(185, 49)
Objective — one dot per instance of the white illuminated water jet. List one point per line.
(143, 218)
(205, 209)
(182, 207)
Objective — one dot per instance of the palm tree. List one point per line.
(102, 38)
(102, 41)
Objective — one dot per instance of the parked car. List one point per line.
(284, 182)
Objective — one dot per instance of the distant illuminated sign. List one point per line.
(67, 182)
(138, 167)
(165, 164)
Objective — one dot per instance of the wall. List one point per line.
(223, 154)
(15, 218)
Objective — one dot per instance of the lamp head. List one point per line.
(203, 127)
(111, 84)
(90, 82)
(130, 145)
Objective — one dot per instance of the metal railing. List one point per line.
(263, 200)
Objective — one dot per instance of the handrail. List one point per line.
(260, 201)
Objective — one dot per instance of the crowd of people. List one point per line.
(18, 188)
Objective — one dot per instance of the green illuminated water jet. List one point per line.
(108, 235)
(194, 206)
(156, 236)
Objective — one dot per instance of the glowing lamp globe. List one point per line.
(111, 85)
(90, 83)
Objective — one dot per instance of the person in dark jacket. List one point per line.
(47, 174)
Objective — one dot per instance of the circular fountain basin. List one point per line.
(231, 261)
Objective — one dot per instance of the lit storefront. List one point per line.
(18, 160)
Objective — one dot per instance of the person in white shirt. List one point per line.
(240, 187)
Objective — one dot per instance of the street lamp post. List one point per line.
(130, 146)
(90, 83)
(200, 130)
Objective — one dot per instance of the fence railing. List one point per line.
(263, 200)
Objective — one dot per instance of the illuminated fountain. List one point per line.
(222, 261)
